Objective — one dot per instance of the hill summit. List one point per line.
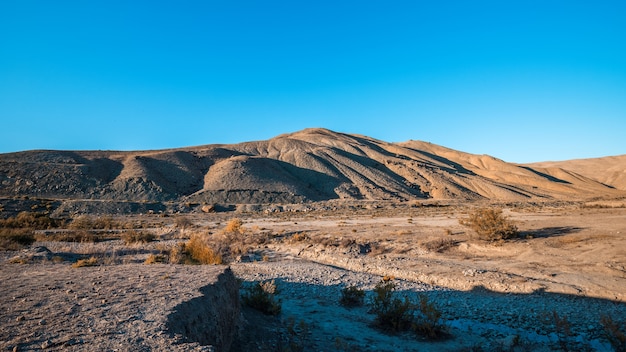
(310, 165)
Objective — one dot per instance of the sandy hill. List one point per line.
(309, 165)
(610, 170)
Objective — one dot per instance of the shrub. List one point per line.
(15, 239)
(69, 236)
(198, 251)
(615, 332)
(490, 224)
(352, 296)
(30, 220)
(392, 314)
(182, 222)
(439, 245)
(132, 236)
(428, 320)
(234, 226)
(82, 222)
(262, 297)
(155, 258)
(85, 262)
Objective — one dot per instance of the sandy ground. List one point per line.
(493, 297)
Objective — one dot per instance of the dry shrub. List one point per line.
(93, 261)
(155, 259)
(82, 222)
(234, 226)
(15, 239)
(490, 225)
(81, 236)
(201, 251)
(130, 237)
(439, 245)
(104, 223)
(392, 313)
(396, 315)
(298, 237)
(615, 332)
(30, 220)
(182, 222)
(352, 296)
(262, 297)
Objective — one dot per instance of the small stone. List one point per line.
(20, 318)
(42, 322)
(46, 344)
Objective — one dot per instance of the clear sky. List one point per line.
(519, 80)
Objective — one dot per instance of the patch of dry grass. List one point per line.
(93, 261)
(15, 239)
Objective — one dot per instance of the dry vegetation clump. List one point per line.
(262, 297)
(615, 332)
(30, 220)
(80, 236)
(392, 313)
(397, 315)
(15, 239)
(93, 261)
(352, 296)
(132, 236)
(156, 259)
(218, 248)
(439, 245)
(490, 225)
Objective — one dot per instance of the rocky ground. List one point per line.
(570, 262)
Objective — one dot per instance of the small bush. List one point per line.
(428, 321)
(197, 250)
(132, 236)
(15, 239)
(262, 297)
(82, 222)
(440, 245)
(85, 262)
(182, 222)
(234, 226)
(392, 314)
(490, 225)
(352, 296)
(155, 259)
(615, 332)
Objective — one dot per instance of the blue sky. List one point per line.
(519, 80)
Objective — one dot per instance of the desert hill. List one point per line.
(309, 165)
(610, 170)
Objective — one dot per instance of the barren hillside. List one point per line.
(310, 165)
(610, 170)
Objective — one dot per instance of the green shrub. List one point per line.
(15, 239)
(262, 297)
(490, 224)
(352, 296)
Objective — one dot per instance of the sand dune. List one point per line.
(309, 165)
